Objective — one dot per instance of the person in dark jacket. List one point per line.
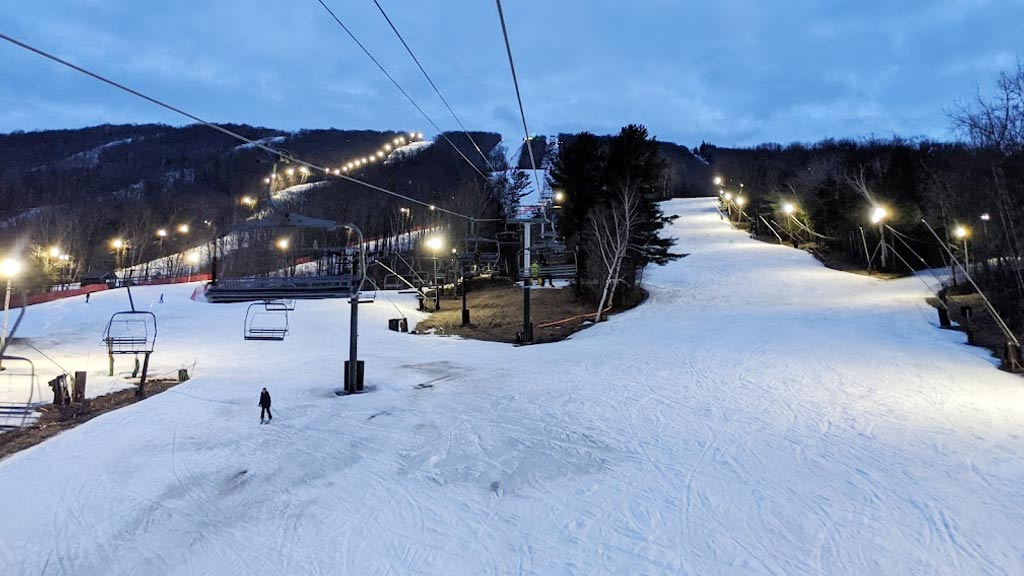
(265, 406)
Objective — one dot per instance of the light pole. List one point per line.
(119, 245)
(789, 209)
(961, 232)
(193, 259)
(878, 216)
(283, 244)
(9, 268)
(984, 223)
(435, 243)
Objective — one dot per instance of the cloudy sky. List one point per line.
(732, 72)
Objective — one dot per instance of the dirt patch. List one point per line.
(55, 420)
(496, 313)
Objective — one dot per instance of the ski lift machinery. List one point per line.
(344, 279)
(479, 255)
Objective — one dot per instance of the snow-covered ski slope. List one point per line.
(760, 414)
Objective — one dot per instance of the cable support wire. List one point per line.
(921, 278)
(519, 98)
(285, 155)
(988, 304)
(434, 86)
(402, 90)
(906, 237)
(801, 225)
(914, 252)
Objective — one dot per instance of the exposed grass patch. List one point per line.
(496, 313)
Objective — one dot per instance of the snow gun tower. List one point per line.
(286, 257)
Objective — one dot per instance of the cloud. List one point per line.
(732, 72)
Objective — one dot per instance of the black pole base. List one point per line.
(357, 386)
(465, 317)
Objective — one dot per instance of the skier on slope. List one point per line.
(265, 406)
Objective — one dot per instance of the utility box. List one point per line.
(182, 375)
(357, 386)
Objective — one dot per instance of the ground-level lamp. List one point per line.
(9, 268)
(248, 201)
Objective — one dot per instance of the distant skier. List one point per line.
(161, 298)
(87, 294)
(265, 406)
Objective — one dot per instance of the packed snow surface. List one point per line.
(759, 414)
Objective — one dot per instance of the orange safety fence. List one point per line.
(557, 322)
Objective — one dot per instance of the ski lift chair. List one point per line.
(266, 320)
(130, 332)
(560, 265)
(19, 374)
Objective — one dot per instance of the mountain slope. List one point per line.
(674, 438)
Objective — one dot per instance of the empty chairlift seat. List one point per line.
(130, 332)
(267, 320)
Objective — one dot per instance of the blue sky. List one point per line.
(732, 72)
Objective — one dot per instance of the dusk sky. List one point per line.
(732, 72)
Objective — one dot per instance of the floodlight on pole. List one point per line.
(788, 208)
(961, 232)
(727, 196)
(184, 228)
(740, 201)
(878, 214)
(718, 180)
(54, 251)
(117, 243)
(9, 268)
(282, 243)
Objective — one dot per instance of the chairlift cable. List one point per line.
(221, 129)
(402, 90)
(434, 86)
(519, 98)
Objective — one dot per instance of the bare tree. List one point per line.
(610, 231)
(996, 121)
